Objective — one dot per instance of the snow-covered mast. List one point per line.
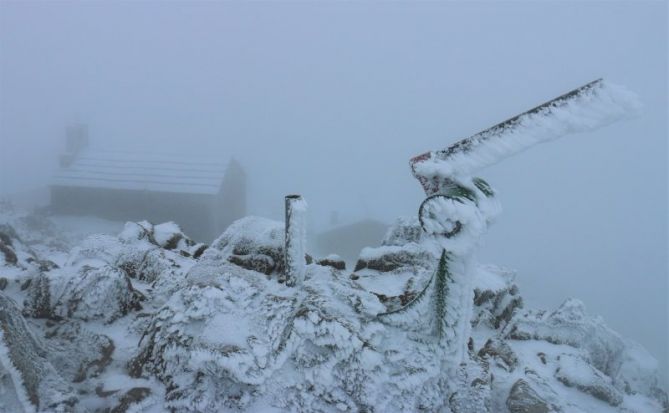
(459, 207)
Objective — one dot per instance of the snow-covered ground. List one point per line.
(103, 316)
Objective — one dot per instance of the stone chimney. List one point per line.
(76, 139)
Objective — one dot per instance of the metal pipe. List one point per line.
(295, 240)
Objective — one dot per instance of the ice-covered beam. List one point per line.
(584, 109)
(295, 241)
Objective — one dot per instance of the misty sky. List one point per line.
(331, 100)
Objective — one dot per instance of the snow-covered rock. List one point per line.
(253, 243)
(403, 231)
(91, 293)
(222, 340)
(496, 297)
(570, 325)
(141, 321)
(574, 371)
(396, 274)
(15, 252)
(29, 380)
(524, 399)
(78, 353)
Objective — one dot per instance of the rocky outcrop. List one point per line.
(396, 274)
(496, 297)
(393, 259)
(167, 236)
(13, 250)
(231, 332)
(218, 331)
(573, 371)
(570, 325)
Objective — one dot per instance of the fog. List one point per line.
(331, 101)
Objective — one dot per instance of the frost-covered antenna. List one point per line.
(448, 171)
(583, 109)
(459, 207)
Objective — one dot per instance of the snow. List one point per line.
(142, 171)
(227, 338)
(165, 231)
(251, 229)
(473, 223)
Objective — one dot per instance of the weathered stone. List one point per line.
(337, 264)
(392, 261)
(97, 293)
(8, 253)
(255, 262)
(523, 399)
(132, 396)
(501, 351)
(496, 306)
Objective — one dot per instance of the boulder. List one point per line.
(524, 399)
(253, 243)
(500, 351)
(334, 261)
(95, 293)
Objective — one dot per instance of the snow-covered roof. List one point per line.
(142, 171)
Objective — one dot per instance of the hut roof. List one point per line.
(141, 171)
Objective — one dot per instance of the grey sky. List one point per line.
(331, 100)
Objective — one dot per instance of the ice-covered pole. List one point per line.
(584, 109)
(295, 241)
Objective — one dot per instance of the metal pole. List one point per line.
(295, 234)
